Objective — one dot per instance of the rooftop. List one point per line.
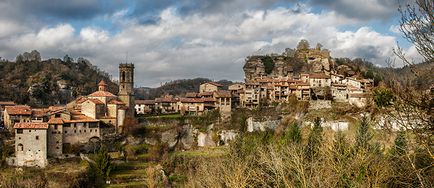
(102, 94)
(19, 110)
(30, 125)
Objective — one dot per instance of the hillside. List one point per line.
(176, 87)
(47, 82)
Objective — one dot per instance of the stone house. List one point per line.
(319, 80)
(191, 106)
(223, 102)
(209, 87)
(251, 96)
(31, 144)
(303, 91)
(166, 105)
(3, 104)
(358, 99)
(15, 114)
(339, 92)
(144, 106)
(235, 90)
(352, 81)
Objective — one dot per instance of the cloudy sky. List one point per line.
(176, 39)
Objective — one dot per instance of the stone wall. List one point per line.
(253, 125)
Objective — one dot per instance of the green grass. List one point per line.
(164, 116)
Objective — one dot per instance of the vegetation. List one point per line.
(383, 97)
(100, 169)
(268, 64)
(44, 79)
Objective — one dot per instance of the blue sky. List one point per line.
(169, 39)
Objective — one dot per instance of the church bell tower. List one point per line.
(126, 86)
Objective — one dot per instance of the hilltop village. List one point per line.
(309, 74)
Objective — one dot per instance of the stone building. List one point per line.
(126, 87)
(144, 106)
(31, 144)
(102, 105)
(209, 87)
(3, 104)
(191, 106)
(15, 114)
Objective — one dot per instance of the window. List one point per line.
(20, 147)
(55, 127)
(30, 130)
(19, 131)
(66, 132)
(37, 137)
(57, 115)
(67, 125)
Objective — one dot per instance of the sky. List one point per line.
(180, 39)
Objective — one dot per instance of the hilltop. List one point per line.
(176, 88)
(30, 80)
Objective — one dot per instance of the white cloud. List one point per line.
(199, 45)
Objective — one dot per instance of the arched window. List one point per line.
(20, 147)
(123, 77)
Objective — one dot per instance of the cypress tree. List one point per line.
(314, 140)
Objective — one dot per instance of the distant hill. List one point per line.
(176, 88)
(30, 80)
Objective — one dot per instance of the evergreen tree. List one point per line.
(314, 140)
(102, 167)
(400, 144)
(293, 134)
(363, 136)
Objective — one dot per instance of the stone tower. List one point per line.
(126, 86)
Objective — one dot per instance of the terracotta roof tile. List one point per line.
(216, 84)
(7, 103)
(223, 93)
(116, 101)
(95, 101)
(40, 112)
(30, 125)
(146, 102)
(18, 110)
(102, 94)
(191, 100)
(57, 121)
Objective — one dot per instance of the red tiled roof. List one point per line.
(302, 84)
(115, 101)
(56, 121)
(18, 110)
(7, 103)
(170, 100)
(95, 101)
(56, 108)
(102, 94)
(223, 94)
(208, 99)
(79, 117)
(80, 100)
(209, 93)
(30, 125)
(191, 100)
(40, 112)
(213, 83)
(148, 102)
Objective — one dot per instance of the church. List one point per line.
(77, 123)
(107, 107)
